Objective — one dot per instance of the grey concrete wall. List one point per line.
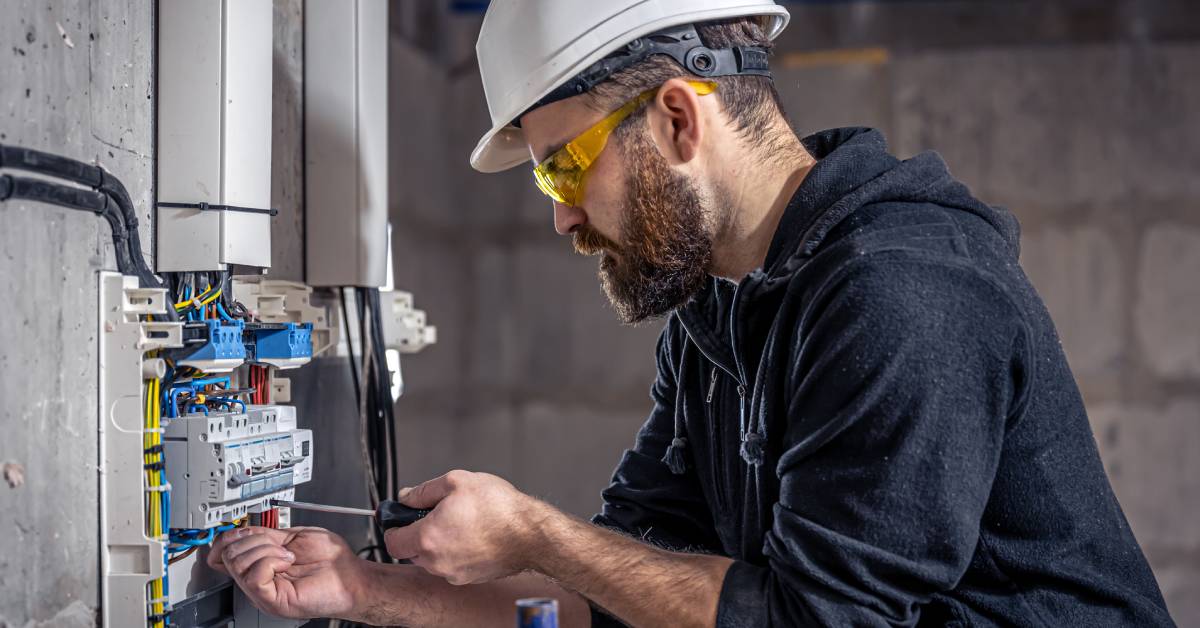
(1092, 140)
(87, 94)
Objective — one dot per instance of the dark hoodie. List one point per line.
(881, 428)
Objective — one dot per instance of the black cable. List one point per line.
(51, 193)
(98, 179)
(379, 400)
(384, 391)
(350, 348)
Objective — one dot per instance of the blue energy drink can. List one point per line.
(537, 612)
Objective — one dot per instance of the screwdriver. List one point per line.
(390, 514)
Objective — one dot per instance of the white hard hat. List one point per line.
(527, 48)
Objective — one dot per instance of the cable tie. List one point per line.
(153, 430)
(154, 466)
(154, 449)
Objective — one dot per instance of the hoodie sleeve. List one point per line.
(905, 375)
(647, 500)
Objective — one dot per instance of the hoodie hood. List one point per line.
(853, 170)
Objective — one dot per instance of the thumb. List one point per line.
(426, 494)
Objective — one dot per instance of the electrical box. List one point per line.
(346, 135)
(214, 134)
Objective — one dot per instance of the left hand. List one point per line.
(481, 528)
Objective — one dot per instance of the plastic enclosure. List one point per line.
(214, 133)
(346, 134)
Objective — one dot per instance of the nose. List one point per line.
(567, 218)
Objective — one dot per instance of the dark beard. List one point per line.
(667, 249)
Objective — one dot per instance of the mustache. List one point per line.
(588, 241)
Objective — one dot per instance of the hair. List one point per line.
(751, 102)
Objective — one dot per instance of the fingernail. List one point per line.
(289, 556)
(403, 492)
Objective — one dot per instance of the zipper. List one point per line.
(712, 386)
(717, 442)
(741, 390)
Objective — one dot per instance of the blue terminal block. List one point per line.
(222, 349)
(286, 345)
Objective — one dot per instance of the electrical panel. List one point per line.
(192, 437)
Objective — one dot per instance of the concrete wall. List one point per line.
(1085, 121)
(87, 94)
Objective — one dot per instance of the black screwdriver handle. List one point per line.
(392, 514)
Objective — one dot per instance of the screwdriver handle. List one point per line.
(393, 514)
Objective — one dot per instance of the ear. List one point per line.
(674, 117)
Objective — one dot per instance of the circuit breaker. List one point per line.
(224, 466)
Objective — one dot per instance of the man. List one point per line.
(862, 414)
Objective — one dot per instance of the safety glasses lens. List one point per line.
(547, 184)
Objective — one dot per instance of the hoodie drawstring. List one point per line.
(675, 458)
(753, 440)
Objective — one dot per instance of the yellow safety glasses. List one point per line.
(561, 176)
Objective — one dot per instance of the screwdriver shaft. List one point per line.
(323, 508)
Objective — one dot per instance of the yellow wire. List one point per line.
(205, 298)
(154, 478)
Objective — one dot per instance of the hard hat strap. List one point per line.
(681, 43)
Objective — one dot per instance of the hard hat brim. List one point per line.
(504, 145)
(499, 149)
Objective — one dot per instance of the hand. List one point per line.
(295, 573)
(481, 528)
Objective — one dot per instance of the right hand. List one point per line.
(295, 573)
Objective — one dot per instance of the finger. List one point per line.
(259, 582)
(226, 539)
(403, 543)
(428, 494)
(240, 546)
(212, 557)
(240, 565)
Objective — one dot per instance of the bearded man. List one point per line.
(862, 415)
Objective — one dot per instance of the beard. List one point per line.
(667, 246)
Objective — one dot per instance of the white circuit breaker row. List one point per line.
(225, 465)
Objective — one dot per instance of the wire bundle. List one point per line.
(260, 383)
(106, 197)
(158, 498)
(377, 421)
(213, 301)
(269, 518)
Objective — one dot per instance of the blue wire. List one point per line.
(229, 400)
(221, 310)
(173, 406)
(192, 408)
(209, 380)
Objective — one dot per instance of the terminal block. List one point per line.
(213, 346)
(225, 465)
(283, 345)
